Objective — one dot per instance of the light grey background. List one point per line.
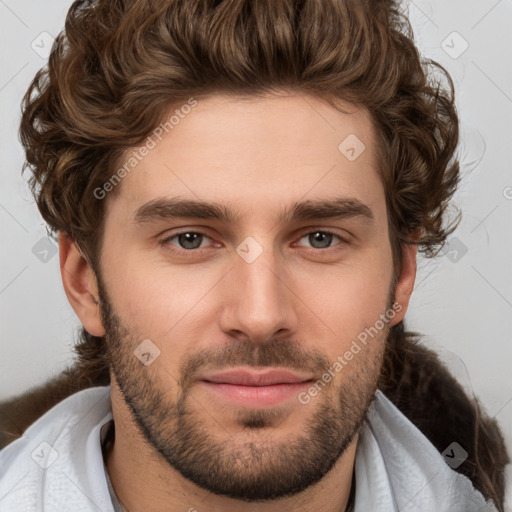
(462, 301)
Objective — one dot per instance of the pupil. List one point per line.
(187, 240)
(324, 236)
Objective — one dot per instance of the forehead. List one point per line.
(255, 151)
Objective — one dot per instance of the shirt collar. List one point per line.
(398, 469)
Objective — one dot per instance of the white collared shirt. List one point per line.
(57, 465)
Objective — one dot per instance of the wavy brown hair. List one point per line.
(120, 66)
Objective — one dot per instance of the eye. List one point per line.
(186, 240)
(321, 239)
(192, 241)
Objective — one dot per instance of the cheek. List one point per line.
(157, 300)
(347, 311)
(356, 288)
(350, 303)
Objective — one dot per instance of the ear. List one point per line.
(406, 279)
(80, 285)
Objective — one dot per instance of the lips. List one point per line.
(241, 377)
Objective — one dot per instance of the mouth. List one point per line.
(249, 388)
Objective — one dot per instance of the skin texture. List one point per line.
(298, 305)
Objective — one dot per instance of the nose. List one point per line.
(261, 302)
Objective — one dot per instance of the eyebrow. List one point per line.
(178, 208)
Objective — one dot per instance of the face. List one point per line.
(255, 282)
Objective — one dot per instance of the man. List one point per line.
(240, 189)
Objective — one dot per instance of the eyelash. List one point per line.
(169, 247)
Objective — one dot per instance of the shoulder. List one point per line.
(59, 448)
(416, 381)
